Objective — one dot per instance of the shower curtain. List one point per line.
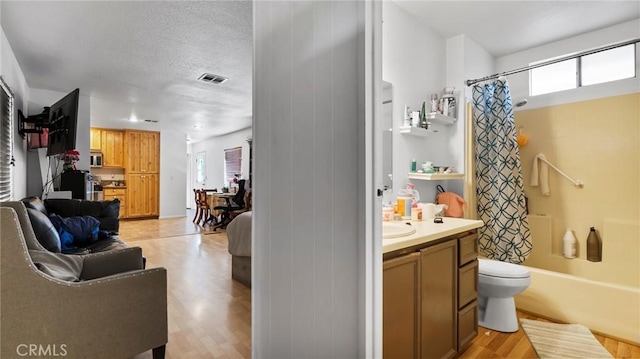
(499, 184)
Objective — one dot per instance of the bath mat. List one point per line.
(551, 340)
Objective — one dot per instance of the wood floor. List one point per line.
(210, 314)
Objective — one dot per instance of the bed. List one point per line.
(239, 236)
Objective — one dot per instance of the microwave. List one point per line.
(95, 159)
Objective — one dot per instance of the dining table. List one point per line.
(215, 199)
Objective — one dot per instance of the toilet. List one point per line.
(498, 283)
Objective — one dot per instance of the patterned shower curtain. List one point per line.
(499, 185)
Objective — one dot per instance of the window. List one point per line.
(6, 142)
(605, 66)
(200, 169)
(232, 163)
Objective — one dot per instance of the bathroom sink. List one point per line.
(396, 230)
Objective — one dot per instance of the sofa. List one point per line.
(239, 237)
(106, 213)
(96, 305)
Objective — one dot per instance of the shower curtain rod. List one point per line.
(551, 62)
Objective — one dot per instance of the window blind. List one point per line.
(232, 163)
(6, 142)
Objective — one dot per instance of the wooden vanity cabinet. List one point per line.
(430, 292)
(401, 310)
(467, 290)
(439, 300)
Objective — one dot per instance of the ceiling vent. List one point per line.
(215, 79)
(152, 121)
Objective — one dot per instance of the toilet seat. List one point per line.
(493, 268)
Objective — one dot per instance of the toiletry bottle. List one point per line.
(423, 117)
(569, 244)
(414, 165)
(594, 246)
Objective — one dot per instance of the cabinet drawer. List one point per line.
(467, 325)
(113, 192)
(467, 249)
(467, 283)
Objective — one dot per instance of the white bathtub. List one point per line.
(610, 309)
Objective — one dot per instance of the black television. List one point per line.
(63, 120)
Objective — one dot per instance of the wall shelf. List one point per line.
(414, 131)
(435, 176)
(440, 118)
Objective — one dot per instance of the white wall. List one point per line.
(413, 61)
(309, 157)
(173, 174)
(214, 157)
(13, 76)
(465, 60)
(519, 83)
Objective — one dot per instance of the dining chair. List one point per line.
(233, 204)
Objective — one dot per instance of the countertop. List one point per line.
(427, 231)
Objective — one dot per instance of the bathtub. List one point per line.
(610, 309)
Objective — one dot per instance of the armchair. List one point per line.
(115, 310)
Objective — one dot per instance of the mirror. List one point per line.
(387, 135)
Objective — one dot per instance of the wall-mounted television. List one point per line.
(63, 120)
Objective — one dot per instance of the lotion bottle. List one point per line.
(570, 244)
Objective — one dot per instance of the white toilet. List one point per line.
(498, 283)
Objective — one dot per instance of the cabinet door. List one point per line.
(142, 195)
(95, 139)
(112, 148)
(401, 307)
(143, 152)
(439, 300)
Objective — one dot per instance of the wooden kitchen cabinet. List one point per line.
(142, 150)
(439, 300)
(401, 310)
(119, 193)
(142, 173)
(95, 139)
(142, 195)
(112, 148)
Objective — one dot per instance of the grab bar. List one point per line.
(576, 183)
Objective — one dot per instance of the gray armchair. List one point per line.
(116, 309)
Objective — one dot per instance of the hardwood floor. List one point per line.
(210, 314)
(492, 344)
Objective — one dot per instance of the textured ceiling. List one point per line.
(144, 57)
(506, 27)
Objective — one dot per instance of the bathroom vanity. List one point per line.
(430, 287)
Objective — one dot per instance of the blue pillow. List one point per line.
(76, 231)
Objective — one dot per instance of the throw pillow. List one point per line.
(45, 232)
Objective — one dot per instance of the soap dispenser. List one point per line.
(594, 246)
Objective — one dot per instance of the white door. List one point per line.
(201, 170)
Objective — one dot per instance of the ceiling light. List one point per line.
(133, 118)
(197, 127)
(211, 78)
